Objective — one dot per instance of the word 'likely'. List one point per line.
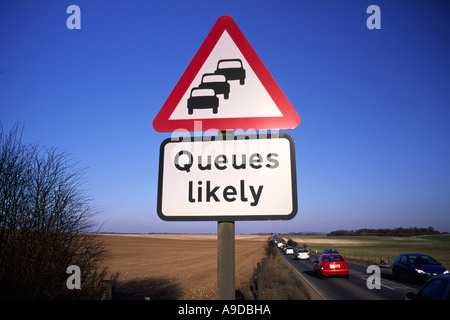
(229, 193)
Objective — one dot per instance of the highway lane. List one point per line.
(354, 287)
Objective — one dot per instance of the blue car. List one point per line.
(416, 267)
(438, 288)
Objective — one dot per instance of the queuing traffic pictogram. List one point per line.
(226, 87)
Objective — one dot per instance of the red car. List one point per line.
(330, 265)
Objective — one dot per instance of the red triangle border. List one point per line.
(289, 120)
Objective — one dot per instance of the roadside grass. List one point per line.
(277, 280)
(281, 283)
(378, 249)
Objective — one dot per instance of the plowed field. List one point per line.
(165, 266)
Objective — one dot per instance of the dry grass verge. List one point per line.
(276, 279)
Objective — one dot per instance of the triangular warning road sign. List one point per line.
(226, 87)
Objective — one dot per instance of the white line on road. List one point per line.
(392, 285)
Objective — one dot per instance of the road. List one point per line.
(354, 287)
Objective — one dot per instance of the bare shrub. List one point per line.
(45, 224)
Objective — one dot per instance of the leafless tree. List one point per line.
(46, 224)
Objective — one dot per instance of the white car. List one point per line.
(302, 254)
(289, 250)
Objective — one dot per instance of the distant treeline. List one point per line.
(397, 232)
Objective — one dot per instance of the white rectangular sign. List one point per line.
(243, 178)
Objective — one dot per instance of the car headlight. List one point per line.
(445, 272)
(420, 271)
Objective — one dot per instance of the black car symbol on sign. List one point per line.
(217, 82)
(202, 98)
(232, 69)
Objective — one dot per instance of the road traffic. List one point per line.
(353, 281)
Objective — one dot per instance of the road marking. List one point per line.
(381, 283)
(392, 285)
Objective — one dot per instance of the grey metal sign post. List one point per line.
(225, 260)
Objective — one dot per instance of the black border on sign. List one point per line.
(230, 218)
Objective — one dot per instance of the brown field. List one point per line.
(174, 266)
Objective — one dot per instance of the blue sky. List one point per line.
(372, 147)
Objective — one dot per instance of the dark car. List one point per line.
(202, 99)
(416, 267)
(437, 288)
(232, 69)
(329, 250)
(217, 82)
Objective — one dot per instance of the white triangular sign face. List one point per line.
(243, 100)
(226, 87)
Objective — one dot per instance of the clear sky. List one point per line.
(373, 145)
